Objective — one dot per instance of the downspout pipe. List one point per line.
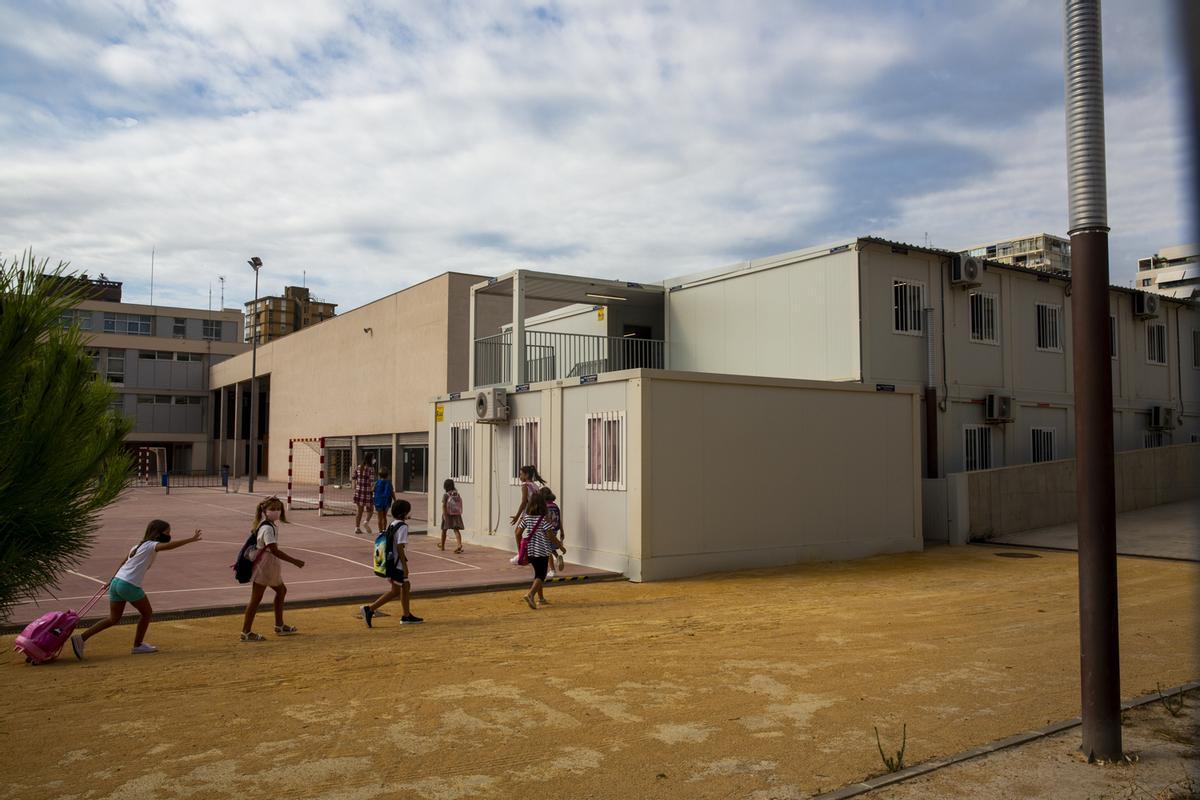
(1099, 653)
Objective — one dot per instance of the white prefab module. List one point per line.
(665, 474)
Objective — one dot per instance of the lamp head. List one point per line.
(255, 262)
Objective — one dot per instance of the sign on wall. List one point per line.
(439, 412)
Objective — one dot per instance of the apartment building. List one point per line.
(157, 358)
(1173, 271)
(273, 317)
(1040, 251)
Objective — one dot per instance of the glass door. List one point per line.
(413, 469)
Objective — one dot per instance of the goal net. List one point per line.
(151, 463)
(319, 477)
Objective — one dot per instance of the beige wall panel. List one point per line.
(978, 365)
(1153, 381)
(896, 357)
(1030, 417)
(1038, 370)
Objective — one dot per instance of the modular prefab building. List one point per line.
(664, 474)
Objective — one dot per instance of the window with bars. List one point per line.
(977, 447)
(1156, 343)
(460, 451)
(1049, 327)
(524, 447)
(135, 324)
(211, 330)
(1157, 438)
(908, 307)
(114, 371)
(606, 451)
(1112, 337)
(1043, 444)
(984, 323)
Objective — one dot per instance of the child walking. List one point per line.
(554, 514)
(452, 509)
(535, 526)
(531, 484)
(396, 568)
(267, 570)
(385, 495)
(126, 587)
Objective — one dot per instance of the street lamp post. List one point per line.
(255, 264)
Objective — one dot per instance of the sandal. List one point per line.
(286, 630)
(529, 601)
(253, 637)
(459, 550)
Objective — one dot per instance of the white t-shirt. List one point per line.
(140, 558)
(400, 536)
(267, 535)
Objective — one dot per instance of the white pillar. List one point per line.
(470, 346)
(518, 328)
(237, 428)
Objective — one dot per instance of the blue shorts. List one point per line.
(124, 591)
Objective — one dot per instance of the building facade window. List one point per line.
(187, 400)
(977, 447)
(1156, 343)
(908, 307)
(1049, 327)
(1043, 444)
(211, 330)
(1147, 281)
(524, 447)
(75, 316)
(606, 451)
(179, 328)
(1157, 438)
(1112, 337)
(114, 371)
(460, 451)
(134, 324)
(94, 354)
(189, 357)
(984, 327)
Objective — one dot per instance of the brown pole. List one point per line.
(1099, 650)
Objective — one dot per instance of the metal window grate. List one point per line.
(1049, 327)
(460, 451)
(1043, 444)
(1157, 439)
(984, 326)
(606, 451)
(908, 307)
(1112, 337)
(1196, 349)
(977, 447)
(1156, 343)
(525, 449)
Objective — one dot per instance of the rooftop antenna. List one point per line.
(221, 278)
(304, 278)
(927, 238)
(152, 276)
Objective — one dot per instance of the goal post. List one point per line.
(311, 485)
(151, 465)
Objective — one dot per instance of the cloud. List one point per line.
(376, 146)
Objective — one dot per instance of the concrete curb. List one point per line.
(862, 787)
(321, 602)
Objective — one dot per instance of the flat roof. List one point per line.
(573, 289)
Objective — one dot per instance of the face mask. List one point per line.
(164, 537)
(272, 514)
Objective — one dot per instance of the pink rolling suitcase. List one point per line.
(43, 638)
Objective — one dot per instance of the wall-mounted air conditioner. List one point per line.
(998, 408)
(966, 271)
(1162, 418)
(491, 405)
(1145, 305)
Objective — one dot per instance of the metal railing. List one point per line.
(556, 356)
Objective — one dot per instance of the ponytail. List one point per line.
(260, 511)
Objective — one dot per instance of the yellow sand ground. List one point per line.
(752, 685)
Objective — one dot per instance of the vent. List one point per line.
(966, 271)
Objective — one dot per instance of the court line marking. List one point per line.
(89, 577)
(301, 549)
(335, 533)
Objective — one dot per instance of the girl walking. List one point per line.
(531, 484)
(363, 480)
(536, 527)
(267, 571)
(126, 587)
(452, 509)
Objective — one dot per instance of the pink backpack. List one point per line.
(43, 638)
(454, 504)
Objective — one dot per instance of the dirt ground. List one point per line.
(1163, 763)
(757, 685)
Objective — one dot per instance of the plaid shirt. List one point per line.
(364, 485)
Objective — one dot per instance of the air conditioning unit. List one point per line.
(491, 405)
(1162, 418)
(966, 271)
(998, 408)
(1145, 305)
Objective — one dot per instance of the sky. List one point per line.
(362, 147)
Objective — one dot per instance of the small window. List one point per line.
(76, 317)
(1156, 343)
(977, 447)
(983, 317)
(115, 370)
(1157, 438)
(1147, 281)
(1043, 444)
(211, 330)
(162, 399)
(524, 447)
(606, 451)
(187, 356)
(179, 328)
(94, 355)
(134, 324)
(146, 355)
(145, 399)
(460, 451)
(187, 400)
(1049, 327)
(908, 307)
(1112, 337)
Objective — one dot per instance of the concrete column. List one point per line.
(470, 345)
(236, 464)
(518, 328)
(221, 430)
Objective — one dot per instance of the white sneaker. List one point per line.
(77, 645)
(549, 573)
(144, 648)
(514, 560)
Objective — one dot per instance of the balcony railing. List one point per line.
(557, 356)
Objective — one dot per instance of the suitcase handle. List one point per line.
(91, 603)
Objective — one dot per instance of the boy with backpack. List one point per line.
(391, 562)
(384, 495)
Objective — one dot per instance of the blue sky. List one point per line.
(373, 145)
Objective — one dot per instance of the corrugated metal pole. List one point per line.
(1099, 651)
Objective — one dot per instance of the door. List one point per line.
(413, 469)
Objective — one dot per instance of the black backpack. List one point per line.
(243, 567)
